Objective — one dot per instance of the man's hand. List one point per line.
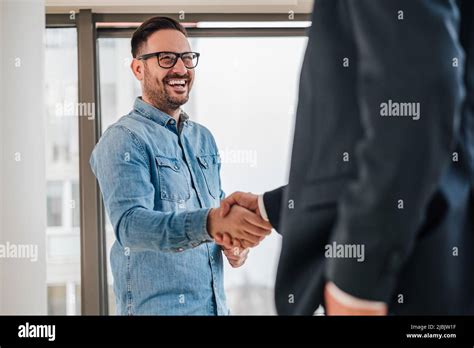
(244, 199)
(240, 224)
(235, 255)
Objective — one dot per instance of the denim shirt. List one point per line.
(158, 183)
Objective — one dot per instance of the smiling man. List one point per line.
(159, 175)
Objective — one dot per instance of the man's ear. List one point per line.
(137, 68)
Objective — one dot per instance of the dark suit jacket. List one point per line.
(390, 184)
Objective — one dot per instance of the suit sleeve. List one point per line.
(273, 201)
(405, 57)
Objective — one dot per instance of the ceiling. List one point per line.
(175, 6)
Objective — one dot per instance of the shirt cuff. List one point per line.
(351, 301)
(261, 208)
(196, 227)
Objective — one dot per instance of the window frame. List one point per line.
(90, 27)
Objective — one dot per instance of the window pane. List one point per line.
(247, 99)
(62, 172)
(54, 191)
(75, 203)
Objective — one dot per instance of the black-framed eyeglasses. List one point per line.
(167, 60)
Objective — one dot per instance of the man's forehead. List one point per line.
(168, 40)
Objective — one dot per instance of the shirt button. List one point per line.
(176, 167)
(127, 251)
(180, 249)
(172, 122)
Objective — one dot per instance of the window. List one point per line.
(62, 299)
(75, 204)
(54, 203)
(62, 172)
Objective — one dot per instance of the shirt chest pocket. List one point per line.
(209, 165)
(173, 182)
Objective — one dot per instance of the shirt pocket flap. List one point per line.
(168, 162)
(207, 160)
(210, 169)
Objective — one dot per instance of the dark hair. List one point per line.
(151, 25)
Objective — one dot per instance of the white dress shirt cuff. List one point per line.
(261, 208)
(351, 301)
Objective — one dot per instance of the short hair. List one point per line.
(150, 26)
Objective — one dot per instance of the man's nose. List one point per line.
(179, 67)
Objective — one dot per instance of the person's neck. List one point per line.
(174, 113)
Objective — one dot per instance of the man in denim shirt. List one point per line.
(159, 176)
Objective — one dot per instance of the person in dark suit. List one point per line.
(377, 217)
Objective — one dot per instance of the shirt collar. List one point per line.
(154, 114)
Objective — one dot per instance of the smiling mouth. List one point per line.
(178, 85)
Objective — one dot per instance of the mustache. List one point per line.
(176, 76)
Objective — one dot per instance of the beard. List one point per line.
(159, 96)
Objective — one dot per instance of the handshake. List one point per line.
(237, 225)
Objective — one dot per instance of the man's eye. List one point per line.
(187, 59)
(167, 58)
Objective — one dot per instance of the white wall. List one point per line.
(22, 182)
